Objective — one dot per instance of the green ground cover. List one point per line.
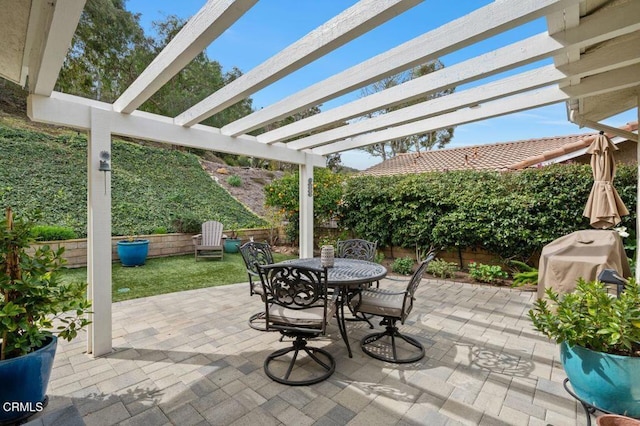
(153, 188)
(171, 274)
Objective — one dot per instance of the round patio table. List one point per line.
(344, 276)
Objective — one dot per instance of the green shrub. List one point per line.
(188, 224)
(402, 266)
(379, 257)
(486, 273)
(283, 194)
(160, 230)
(591, 318)
(525, 274)
(443, 269)
(510, 214)
(234, 180)
(524, 278)
(52, 233)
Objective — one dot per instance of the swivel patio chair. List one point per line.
(254, 254)
(360, 249)
(392, 306)
(209, 242)
(298, 306)
(357, 249)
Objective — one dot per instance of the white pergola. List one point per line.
(594, 44)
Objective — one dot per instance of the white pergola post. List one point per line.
(306, 210)
(99, 340)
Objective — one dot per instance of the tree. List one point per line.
(107, 52)
(200, 78)
(438, 138)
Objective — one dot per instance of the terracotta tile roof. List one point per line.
(500, 156)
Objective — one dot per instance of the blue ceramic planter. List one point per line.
(24, 383)
(609, 382)
(133, 253)
(231, 245)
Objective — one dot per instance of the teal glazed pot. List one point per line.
(133, 253)
(606, 381)
(231, 245)
(24, 382)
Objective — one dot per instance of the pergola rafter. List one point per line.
(356, 20)
(472, 28)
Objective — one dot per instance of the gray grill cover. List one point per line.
(580, 254)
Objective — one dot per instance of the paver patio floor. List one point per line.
(190, 358)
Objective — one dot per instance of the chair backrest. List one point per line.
(298, 288)
(356, 249)
(254, 254)
(414, 282)
(211, 233)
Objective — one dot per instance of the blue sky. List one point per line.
(272, 25)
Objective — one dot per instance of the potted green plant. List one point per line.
(232, 242)
(598, 335)
(36, 307)
(133, 251)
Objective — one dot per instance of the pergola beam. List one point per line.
(469, 29)
(207, 25)
(594, 62)
(517, 54)
(351, 23)
(506, 87)
(74, 111)
(598, 84)
(45, 67)
(521, 102)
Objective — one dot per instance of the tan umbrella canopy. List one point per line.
(604, 206)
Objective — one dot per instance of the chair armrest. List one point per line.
(196, 239)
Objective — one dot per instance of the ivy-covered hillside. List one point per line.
(153, 189)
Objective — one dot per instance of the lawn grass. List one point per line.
(171, 274)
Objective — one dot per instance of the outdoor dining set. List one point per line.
(301, 296)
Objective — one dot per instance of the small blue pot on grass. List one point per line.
(133, 253)
(606, 381)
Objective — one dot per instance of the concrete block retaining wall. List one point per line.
(160, 245)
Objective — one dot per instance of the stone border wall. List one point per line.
(160, 245)
(462, 259)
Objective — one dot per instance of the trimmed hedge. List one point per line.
(152, 188)
(511, 214)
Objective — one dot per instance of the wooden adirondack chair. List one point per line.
(209, 242)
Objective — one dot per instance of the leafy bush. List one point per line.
(34, 300)
(511, 214)
(591, 318)
(283, 194)
(188, 224)
(52, 233)
(441, 268)
(525, 274)
(234, 180)
(486, 273)
(402, 265)
(160, 230)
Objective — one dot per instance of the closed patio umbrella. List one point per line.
(604, 206)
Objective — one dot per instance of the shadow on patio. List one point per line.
(190, 358)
